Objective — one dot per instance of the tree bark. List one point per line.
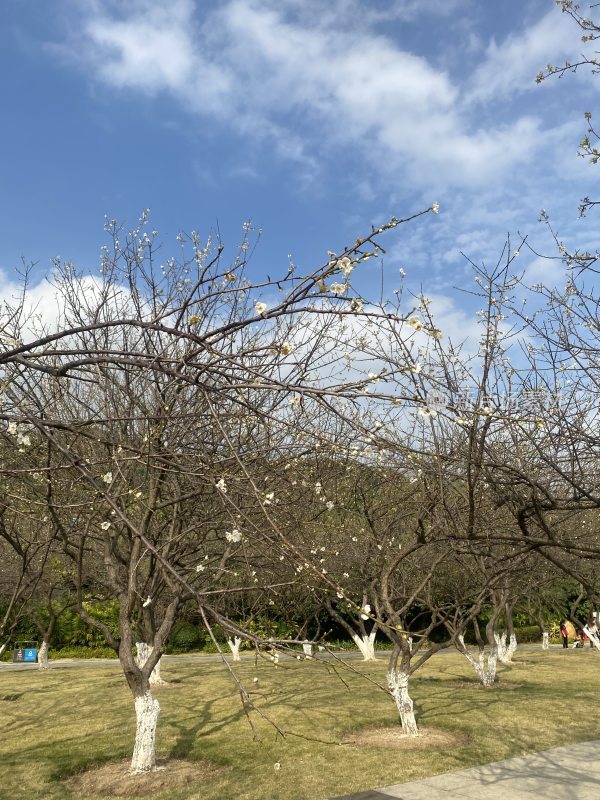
(307, 647)
(234, 646)
(43, 656)
(398, 685)
(545, 643)
(592, 636)
(144, 651)
(366, 645)
(147, 709)
(486, 673)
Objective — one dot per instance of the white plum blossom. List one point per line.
(330, 504)
(12, 428)
(107, 477)
(346, 266)
(435, 208)
(426, 411)
(339, 288)
(233, 536)
(221, 485)
(268, 498)
(286, 348)
(416, 368)
(260, 308)
(365, 611)
(147, 602)
(415, 323)
(105, 525)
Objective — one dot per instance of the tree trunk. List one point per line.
(307, 647)
(143, 654)
(43, 656)
(592, 636)
(147, 709)
(234, 646)
(398, 685)
(507, 650)
(366, 645)
(545, 643)
(512, 646)
(3, 647)
(486, 673)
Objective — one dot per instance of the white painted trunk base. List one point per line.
(3, 647)
(398, 685)
(545, 642)
(506, 650)
(147, 709)
(366, 645)
(308, 649)
(234, 646)
(486, 673)
(43, 656)
(144, 651)
(592, 636)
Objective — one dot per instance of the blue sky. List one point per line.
(312, 118)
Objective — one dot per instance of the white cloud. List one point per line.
(512, 65)
(302, 83)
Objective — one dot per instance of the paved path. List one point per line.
(563, 773)
(213, 658)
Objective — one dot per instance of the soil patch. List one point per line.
(114, 779)
(391, 736)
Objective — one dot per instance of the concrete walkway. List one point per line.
(563, 773)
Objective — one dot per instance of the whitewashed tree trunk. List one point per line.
(592, 636)
(366, 645)
(545, 642)
(398, 685)
(486, 673)
(144, 651)
(505, 649)
(512, 647)
(234, 646)
(307, 647)
(147, 709)
(43, 656)
(274, 656)
(3, 647)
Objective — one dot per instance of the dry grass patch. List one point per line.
(115, 780)
(391, 736)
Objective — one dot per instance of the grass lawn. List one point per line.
(64, 721)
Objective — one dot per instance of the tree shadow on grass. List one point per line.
(205, 725)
